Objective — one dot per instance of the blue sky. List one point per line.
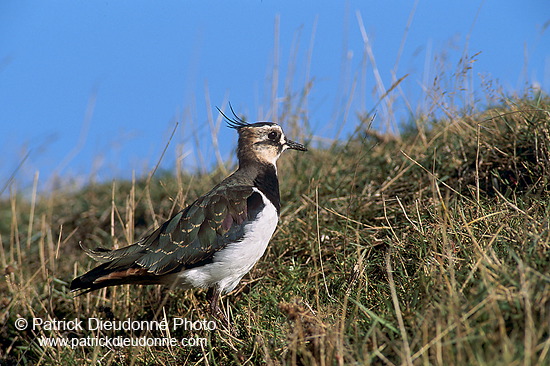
(94, 88)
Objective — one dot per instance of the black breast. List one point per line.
(266, 181)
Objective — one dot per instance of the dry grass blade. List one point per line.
(430, 248)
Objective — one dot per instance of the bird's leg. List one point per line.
(213, 297)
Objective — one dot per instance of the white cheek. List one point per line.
(272, 158)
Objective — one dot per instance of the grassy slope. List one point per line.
(429, 249)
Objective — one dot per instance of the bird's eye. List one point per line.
(272, 135)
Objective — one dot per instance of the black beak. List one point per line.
(296, 146)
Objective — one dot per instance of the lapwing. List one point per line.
(217, 239)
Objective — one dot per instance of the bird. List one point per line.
(216, 240)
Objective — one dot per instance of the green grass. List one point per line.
(429, 248)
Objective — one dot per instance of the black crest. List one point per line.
(236, 122)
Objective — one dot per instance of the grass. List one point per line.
(428, 248)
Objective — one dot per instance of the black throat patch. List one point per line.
(268, 183)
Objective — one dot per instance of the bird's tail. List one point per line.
(118, 267)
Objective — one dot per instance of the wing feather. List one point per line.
(189, 238)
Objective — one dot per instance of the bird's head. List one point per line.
(263, 141)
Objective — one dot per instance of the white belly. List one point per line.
(236, 259)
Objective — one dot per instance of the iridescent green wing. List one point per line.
(192, 236)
